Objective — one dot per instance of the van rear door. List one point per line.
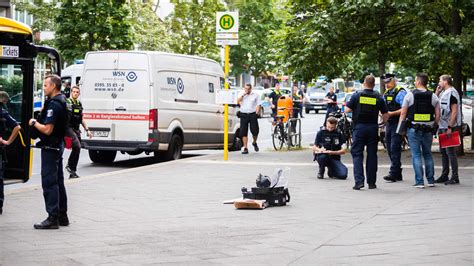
(116, 96)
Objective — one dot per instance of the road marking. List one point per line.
(293, 164)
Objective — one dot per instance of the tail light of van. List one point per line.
(153, 119)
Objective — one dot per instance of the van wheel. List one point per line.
(175, 148)
(316, 111)
(306, 110)
(102, 156)
(236, 143)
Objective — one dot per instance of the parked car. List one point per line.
(317, 102)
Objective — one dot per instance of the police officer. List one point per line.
(6, 121)
(366, 106)
(274, 96)
(421, 107)
(393, 97)
(450, 121)
(51, 128)
(73, 131)
(328, 149)
(331, 99)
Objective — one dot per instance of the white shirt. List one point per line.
(249, 103)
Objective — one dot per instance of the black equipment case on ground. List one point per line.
(277, 196)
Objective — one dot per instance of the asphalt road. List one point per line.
(310, 125)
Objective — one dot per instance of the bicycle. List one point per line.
(344, 125)
(286, 132)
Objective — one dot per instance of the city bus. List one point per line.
(17, 66)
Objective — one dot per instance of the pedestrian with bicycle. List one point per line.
(327, 150)
(450, 121)
(366, 106)
(421, 108)
(249, 108)
(393, 97)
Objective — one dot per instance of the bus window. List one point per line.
(11, 81)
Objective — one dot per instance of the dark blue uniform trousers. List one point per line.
(2, 175)
(335, 167)
(394, 147)
(362, 136)
(52, 179)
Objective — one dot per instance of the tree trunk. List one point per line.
(457, 63)
(382, 62)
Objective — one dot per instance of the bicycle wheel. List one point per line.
(278, 137)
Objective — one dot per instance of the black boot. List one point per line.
(452, 181)
(390, 178)
(442, 179)
(320, 175)
(50, 223)
(63, 219)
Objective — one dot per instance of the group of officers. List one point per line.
(419, 114)
(60, 118)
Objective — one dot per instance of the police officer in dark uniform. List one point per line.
(328, 149)
(6, 121)
(51, 129)
(393, 97)
(366, 106)
(73, 131)
(274, 96)
(331, 99)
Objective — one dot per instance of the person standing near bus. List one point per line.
(51, 128)
(6, 121)
(73, 131)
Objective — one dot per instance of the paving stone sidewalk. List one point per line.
(172, 213)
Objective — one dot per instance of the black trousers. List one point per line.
(75, 136)
(2, 175)
(52, 181)
(247, 119)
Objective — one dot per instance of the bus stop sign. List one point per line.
(227, 28)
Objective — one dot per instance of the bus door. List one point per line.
(17, 53)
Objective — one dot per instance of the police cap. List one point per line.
(388, 77)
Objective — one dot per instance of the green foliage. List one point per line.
(258, 22)
(84, 26)
(192, 26)
(149, 32)
(11, 85)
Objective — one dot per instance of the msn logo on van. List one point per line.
(118, 73)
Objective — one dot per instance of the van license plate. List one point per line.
(102, 134)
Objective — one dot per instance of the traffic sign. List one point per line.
(227, 22)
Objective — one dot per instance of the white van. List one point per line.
(137, 101)
(72, 74)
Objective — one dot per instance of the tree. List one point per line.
(192, 26)
(149, 32)
(84, 26)
(322, 34)
(258, 22)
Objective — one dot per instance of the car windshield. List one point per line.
(316, 90)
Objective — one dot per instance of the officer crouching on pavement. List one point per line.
(366, 106)
(328, 149)
(393, 97)
(73, 131)
(51, 129)
(6, 121)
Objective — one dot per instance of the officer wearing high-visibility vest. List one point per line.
(73, 131)
(366, 106)
(450, 121)
(328, 149)
(393, 97)
(51, 129)
(421, 108)
(6, 121)
(274, 96)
